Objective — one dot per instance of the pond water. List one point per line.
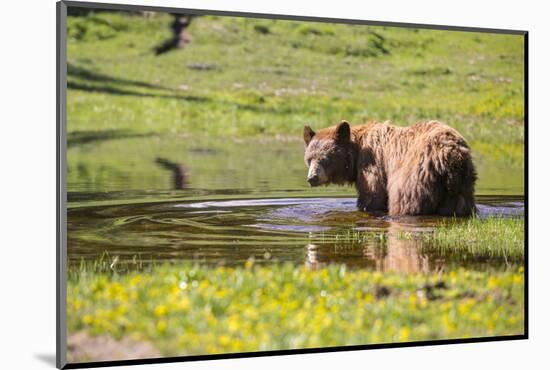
(175, 199)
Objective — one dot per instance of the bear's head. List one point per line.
(330, 155)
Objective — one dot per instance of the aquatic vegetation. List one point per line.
(191, 309)
(483, 237)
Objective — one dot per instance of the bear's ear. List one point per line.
(343, 131)
(308, 134)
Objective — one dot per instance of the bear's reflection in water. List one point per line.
(391, 253)
(311, 231)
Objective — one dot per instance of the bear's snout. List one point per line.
(316, 175)
(313, 180)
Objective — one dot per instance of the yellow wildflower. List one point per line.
(160, 310)
(161, 326)
(404, 334)
(225, 340)
(87, 319)
(233, 323)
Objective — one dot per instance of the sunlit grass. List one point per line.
(189, 309)
(268, 77)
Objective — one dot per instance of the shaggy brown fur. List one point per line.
(418, 170)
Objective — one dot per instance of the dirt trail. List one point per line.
(82, 347)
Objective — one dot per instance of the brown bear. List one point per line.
(424, 169)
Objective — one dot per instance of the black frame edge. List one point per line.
(302, 351)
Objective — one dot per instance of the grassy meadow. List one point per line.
(231, 106)
(247, 80)
(255, 77)
(185, 309)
